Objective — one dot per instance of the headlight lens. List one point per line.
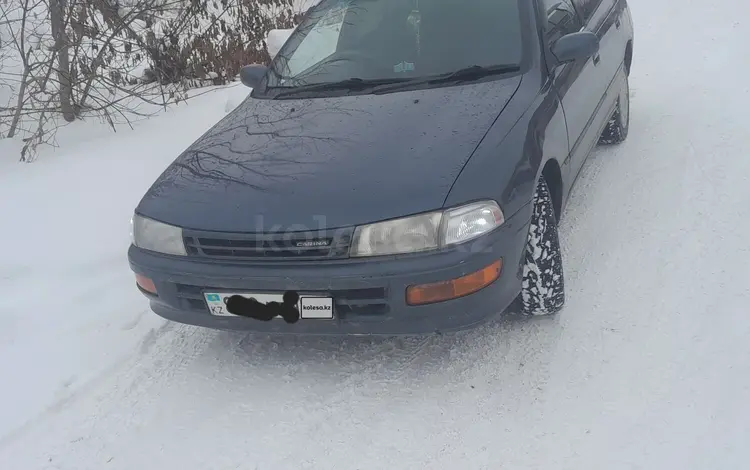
(427, 231)
(407, 235)
(157, 236)
(470, 221)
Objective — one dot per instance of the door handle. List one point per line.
(617, 23)
(597, 58)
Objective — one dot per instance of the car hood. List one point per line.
(329, 162)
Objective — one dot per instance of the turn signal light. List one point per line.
(453, 289)
(145, 283)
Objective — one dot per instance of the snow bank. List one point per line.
(69, 310)
(276, 38)
(236, 94)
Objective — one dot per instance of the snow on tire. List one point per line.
(618, 125)
(543, 284)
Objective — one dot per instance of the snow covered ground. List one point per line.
(646, 368)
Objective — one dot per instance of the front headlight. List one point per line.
(156, 236)
(427, 231)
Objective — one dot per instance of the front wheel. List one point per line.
(543, 282)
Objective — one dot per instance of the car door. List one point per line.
(605, 18)
(586, 100)
(572, 80)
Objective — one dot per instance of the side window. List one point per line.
(586, 8)
(561, 19)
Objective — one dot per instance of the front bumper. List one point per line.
(369, 295)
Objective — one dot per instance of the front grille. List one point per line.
(295, 245)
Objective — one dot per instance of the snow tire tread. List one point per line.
(616, 130)
(543, 283)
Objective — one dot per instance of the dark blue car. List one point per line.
(399, 168)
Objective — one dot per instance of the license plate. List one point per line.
(309, 306)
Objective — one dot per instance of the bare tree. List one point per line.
(121, 60)
(62, 51)
(20, 48)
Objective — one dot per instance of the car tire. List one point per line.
(543, 282)
(616, 130)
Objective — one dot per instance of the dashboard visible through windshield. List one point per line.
(398, 40)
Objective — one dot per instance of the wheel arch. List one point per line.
(553, 176)
(628, 56)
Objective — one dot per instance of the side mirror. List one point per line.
(574, 46)
(252, 75)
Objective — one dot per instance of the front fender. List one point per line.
(508, 163)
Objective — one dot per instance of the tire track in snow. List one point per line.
(192, 354)
(82, 390)
(106, 407)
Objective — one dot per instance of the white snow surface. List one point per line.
(275, 39)
(645, 368)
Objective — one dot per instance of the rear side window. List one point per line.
(586, 8)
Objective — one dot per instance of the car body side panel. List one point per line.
(578, 84)
(625, 11)
(513, 160)
(507, 163)
(607, 23)
(589, 91)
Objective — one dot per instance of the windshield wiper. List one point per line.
(352, 84)
(474, 72)
(466, 74)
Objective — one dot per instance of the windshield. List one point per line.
(397, 39)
